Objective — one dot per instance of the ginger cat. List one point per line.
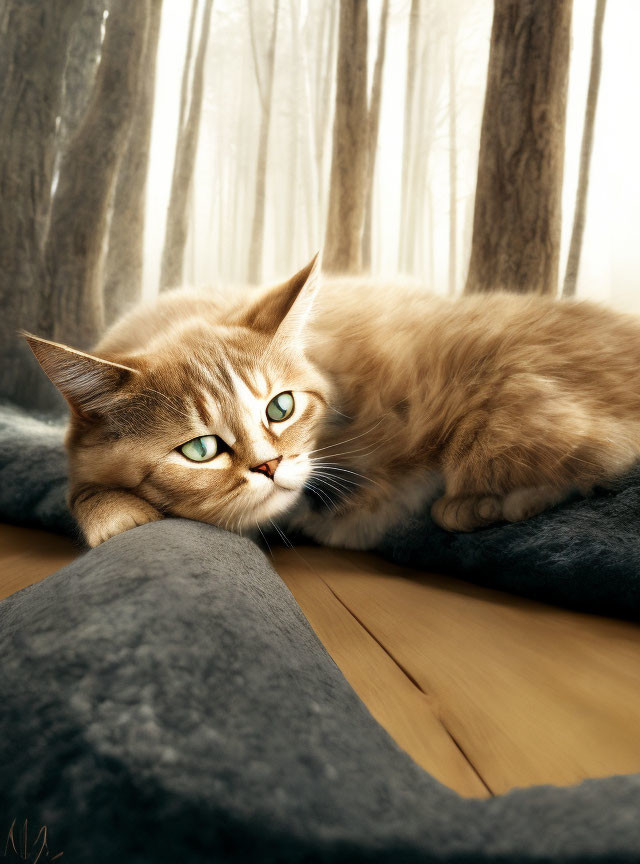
(339, 409)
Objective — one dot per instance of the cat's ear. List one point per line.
(284, 310)
(88, 383)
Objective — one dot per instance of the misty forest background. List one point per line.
(468, 144)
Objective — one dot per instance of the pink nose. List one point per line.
(267, 468)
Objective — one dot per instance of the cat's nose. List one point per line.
(267, 468)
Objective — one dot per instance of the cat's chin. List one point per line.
(279, 501)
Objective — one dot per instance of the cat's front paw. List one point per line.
(114, 518)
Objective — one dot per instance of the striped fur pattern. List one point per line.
(492, 408)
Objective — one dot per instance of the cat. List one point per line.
(339, 409)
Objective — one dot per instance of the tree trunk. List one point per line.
(408, 136)
(88, 171)
(34, 40)
(308, 167)
(186, 69)
(293, 178)
(343, 244)
(374, 125)
(83, 59)
(421, 167)
(517, 215)
(324, 80)
(189, 245)
(432, 245)
(429, 71)
(266, 91)
(579, 216)
(453, 163)
(175, 237)
(123, 268)
(236, 191)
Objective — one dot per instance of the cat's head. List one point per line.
(213, 420)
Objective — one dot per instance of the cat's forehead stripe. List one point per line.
(199, 405)
(243, 391)
(215, 419)
(256, 382)
(220, 375)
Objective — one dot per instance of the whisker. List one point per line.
(341, 490)
(321, 495)
(341, 481)
(364, 451)
(348, 471)
(329, 467)
(240, 523)
(335, 410)
(283, 536)
(320, 471)
(347, 440)
(264, 538)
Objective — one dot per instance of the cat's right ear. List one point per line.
(282, 311)
(88, 383)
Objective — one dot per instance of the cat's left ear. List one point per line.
(282, 312)
(89, 384)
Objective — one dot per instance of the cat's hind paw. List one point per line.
(466, 512)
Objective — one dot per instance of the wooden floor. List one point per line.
(484, 690)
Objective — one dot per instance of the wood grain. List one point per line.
(532, 694)
(27, 556)
(391, 697)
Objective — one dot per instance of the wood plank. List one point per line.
(395, 702)
(28, 556)
(533, 694)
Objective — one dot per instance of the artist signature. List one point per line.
(18, 845)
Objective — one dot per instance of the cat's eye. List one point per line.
(202, 449)
(281, 407)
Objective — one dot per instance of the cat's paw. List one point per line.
(524, 503)
(466, 513)
(113, 520)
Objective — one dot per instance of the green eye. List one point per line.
(281, 407)
(201, 449)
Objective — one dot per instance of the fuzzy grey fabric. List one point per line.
(163, 699)
(583, 554)
(33, 471)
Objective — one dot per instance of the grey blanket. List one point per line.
(163, 699)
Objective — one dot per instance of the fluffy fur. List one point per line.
(493, 407)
